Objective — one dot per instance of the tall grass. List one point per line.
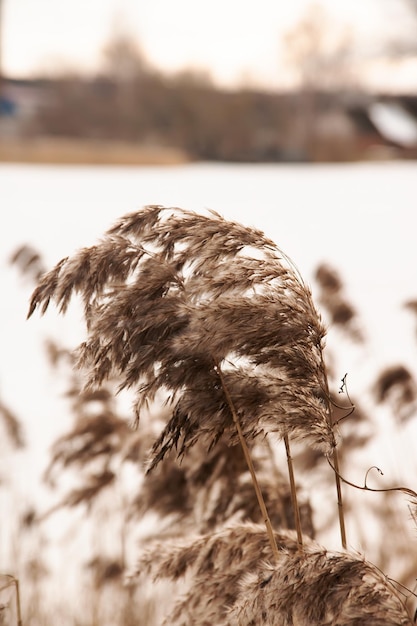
(211, 318)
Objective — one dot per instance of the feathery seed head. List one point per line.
(234, 582)
(172, 299)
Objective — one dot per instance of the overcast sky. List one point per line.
(233, 39)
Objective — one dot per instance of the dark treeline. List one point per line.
(184, 112)
(188, 112)
(130, 101)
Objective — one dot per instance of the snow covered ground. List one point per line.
(360, 218)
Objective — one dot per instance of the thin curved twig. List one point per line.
(371, 468)
(405, 490)
(399, 588)
(343, 389)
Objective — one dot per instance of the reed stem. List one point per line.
(294, 498)
(339, 499)
(336, 472)
(14, 582)
(18, 609)
(251, 467)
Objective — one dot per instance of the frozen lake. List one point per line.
(361, 218)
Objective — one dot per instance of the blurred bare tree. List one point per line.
(123, 59)
(319, 50)
(405, 42)
(319, 53)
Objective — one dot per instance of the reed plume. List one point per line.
(333, 300)
(233, 582)
(215, 564)
(29, 262)
(212, 316)
(12, 426)
(397, 386)
(172, 299)
(318, 587)
(212, 312)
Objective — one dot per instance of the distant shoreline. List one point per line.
(66, 151)
(87, 152)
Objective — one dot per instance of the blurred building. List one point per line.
(20, 102)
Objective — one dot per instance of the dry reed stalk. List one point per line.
(251, 468)
(18, 605)
(13, 582)
(340, 511)
(294, 499)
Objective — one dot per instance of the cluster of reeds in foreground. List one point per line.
(212, 328)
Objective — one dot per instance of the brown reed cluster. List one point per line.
(211, 318)
(231, 581)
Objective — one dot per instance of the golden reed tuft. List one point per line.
(172, 297)
(214, 314)
(231, 581)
